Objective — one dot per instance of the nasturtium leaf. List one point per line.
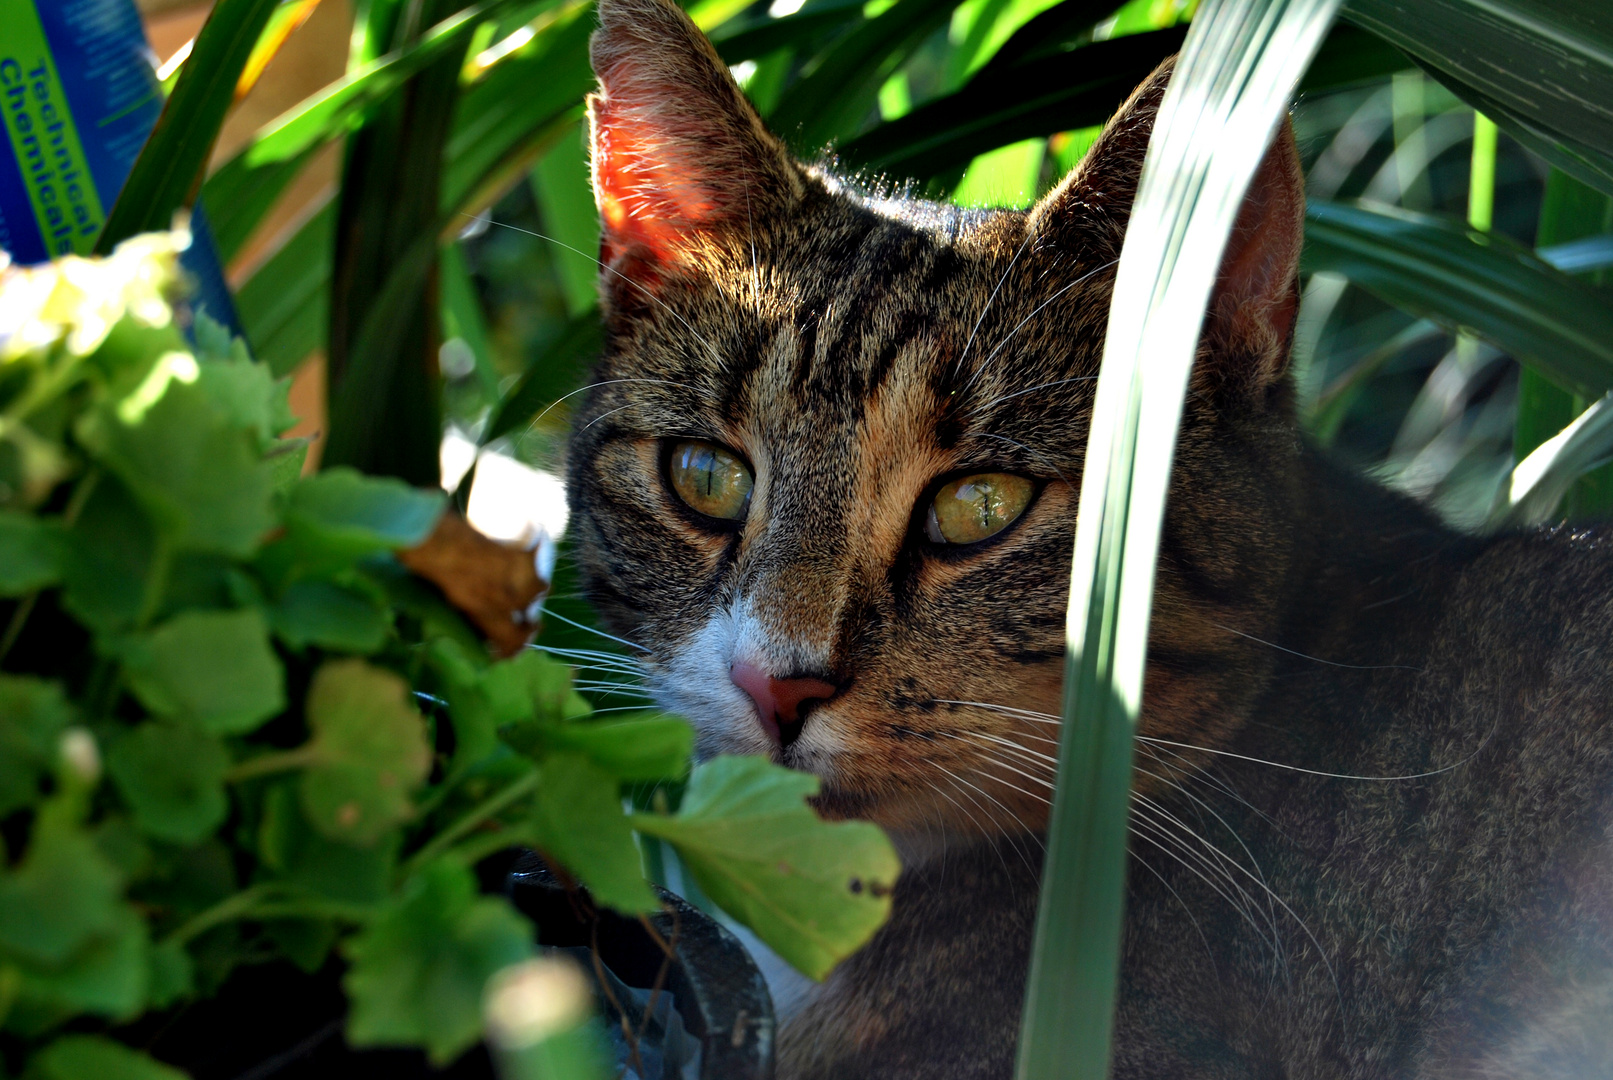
(94, 1057)
(109, 554)
(577, 820)
(651, 747)
(173, 975)
(110, 975)
(815, 891)
(295, 853)
(250, 396)
(340, 515)
(369, 748)
(214, 669)
(61, 896)
(198, 475)
(332, 616)
(419, 969)
(32, 551)
(172, 777)
(33, 715)
(531, 684)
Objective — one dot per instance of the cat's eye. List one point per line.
(710, 479)
(972, 508)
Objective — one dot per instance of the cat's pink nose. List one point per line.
(779, 701)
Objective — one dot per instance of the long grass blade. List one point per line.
(166, 173)
(1241, 63)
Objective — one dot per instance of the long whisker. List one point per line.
(1318, 659)
(1028, 390)
(990, 300)
(1314, 772)
(594, 630)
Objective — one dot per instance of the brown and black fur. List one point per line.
(1371, 810)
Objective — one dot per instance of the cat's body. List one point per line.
(797, 379)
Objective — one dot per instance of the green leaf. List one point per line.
(249, 395)
(1550, 92)
(649, 747)
(369, 749)
(577, 820)
(1476, 281)
(196, 473)
(297, 854)
(314, 612)
(214, 669)
(178, 148)
(343, 515)
(285, 306)
(32, 551)
(172, 777)
(838, 91)
(95, 1057)
(33, 715)
(243, 189)
(419, 969)
(815, 891)
(109, 557)
(61, 896)
(173, 975)
(110, 976)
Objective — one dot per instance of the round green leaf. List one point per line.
(370, 751)
(214, 669)
(172, 777)
(419, 969)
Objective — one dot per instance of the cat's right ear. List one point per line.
(1250, 322)
(682, 166)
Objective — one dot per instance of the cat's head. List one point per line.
(826, 477)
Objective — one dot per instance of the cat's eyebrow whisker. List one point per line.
(1028, 390)
(1318, 659)
(957, 366)
(1033, 453)
(602, 382)
(1034, 312)
(715, 355)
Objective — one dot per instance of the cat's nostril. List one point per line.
(780, 703)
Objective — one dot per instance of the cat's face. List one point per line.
(827, 476)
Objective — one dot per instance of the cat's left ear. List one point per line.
(1250, 322)
(682, 165)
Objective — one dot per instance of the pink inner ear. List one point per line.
(648, 196)
(1255, 295)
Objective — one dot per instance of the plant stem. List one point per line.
(251, 903)
(490, 806)
(279, 761)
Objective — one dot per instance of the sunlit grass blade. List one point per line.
(1552, 90)
(1441, 270)
(1238, 69)
(241, 191)
(166, 173)
(1537, 486)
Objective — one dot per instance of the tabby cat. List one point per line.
(826, 478)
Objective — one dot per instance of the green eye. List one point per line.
(971, 508)
(711, 480)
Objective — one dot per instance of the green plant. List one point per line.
(232, 729)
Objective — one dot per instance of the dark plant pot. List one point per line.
(714, 985)
(274, 1022)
